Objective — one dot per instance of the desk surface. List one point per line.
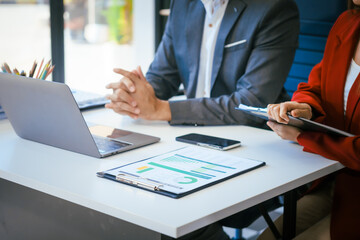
(72, 176)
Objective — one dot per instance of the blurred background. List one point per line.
(98, 35)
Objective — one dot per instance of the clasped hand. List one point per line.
(135, 97)
(279, 112)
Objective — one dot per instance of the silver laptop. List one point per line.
(46, 112)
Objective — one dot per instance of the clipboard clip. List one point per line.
(140, 182)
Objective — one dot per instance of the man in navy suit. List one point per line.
(224, 52)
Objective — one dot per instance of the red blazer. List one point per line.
(325, 93)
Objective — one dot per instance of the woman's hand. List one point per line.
(279, 112)
(286, 132)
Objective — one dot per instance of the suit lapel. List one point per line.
(194, 31)
(233, 11)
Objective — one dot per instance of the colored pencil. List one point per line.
(42, 61)
(7, 68)
(16, 71)
(50, 71)
(32, 71)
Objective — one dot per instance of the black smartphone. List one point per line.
(209, 141)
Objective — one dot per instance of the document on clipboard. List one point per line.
(181, 172)
(302, 123)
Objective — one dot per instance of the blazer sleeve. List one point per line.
(346, 150)
(343, 149)
(262, 83)
(310, 92)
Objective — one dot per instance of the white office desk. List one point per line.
(72, 177)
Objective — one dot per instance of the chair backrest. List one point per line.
(316, 20)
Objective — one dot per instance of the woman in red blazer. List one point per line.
(331, 210)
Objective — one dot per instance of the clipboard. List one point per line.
(302, 123)
(181, 172)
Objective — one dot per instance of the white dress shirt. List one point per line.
(215, 10)
(354, 71)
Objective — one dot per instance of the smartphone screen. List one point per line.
(209, 141)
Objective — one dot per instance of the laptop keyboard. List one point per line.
(87, 100)
(106, 145)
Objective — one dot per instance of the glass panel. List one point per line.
(25, 33)
(103, 34)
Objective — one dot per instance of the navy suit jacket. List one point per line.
(251, 72)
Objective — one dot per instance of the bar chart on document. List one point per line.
(188, 168)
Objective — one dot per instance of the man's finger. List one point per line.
(140, 73)
(134, 116)
(129, 84)
(136, 73)
(125, 97)
(113, 85)
(130, 75)
(124, 83)
(123, 108)
(121, 96)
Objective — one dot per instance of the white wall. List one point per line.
(144, 32)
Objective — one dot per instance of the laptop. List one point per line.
(46, 112)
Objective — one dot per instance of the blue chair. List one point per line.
(316, 20)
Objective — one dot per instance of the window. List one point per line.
(100, 35)
(25, 33)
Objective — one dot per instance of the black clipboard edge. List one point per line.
(309, 125)
(302, 123)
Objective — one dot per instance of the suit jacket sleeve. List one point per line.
(266, 70)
